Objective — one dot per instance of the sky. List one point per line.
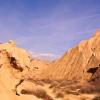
(48, 27)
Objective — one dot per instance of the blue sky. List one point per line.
(48, 27)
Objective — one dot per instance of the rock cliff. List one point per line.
(76, 63)
(14, 66)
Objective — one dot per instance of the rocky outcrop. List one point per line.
(14, 65)
(38, 66)
(21, 76)
(76, 62)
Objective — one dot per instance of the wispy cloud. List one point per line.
(45, 56)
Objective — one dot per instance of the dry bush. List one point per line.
(78, 87)
(39, 82)
(59, 95)
(71, 92)
(72, 88)
(64, 83)
(90, 90)
(65, 86)
(87, 91)
(83, 98)
(67, 91)
(23, 91)
(67, 82)
(96, 98)
(53, 84)
(40, 93)
(46, 81)
(55, 90)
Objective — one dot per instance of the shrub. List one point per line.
(53, 84)
(59, 95)
(96, 98)
(90, 90)
(46, 81)
(40, 93)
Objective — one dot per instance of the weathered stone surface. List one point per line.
(18, 72)
(38, 66)
(14, 65)
(76, 62)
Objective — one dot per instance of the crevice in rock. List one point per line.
(13, 62)
(1, 65)
(90, 59)
(95, 74)
(92, 70)
(27, 67)
(20, 82)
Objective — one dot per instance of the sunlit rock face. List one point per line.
(76, 62)
(14, 64)
(21, 78)
(38, 66)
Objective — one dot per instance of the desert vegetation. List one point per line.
(39, 93)
(60, 89)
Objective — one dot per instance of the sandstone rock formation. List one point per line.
(14, 66)
(38, 66)
(22, 78)
(14, 63)
(76, 62)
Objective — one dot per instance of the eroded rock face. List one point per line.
(16, 70)
(14, 65)
(76, 62)
(38, 66)
(19, 74)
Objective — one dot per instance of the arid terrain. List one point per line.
(74, 76)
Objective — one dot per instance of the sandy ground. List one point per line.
(59, 91)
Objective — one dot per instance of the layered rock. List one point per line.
(18, 72)
(76, 62)
(14, 65)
